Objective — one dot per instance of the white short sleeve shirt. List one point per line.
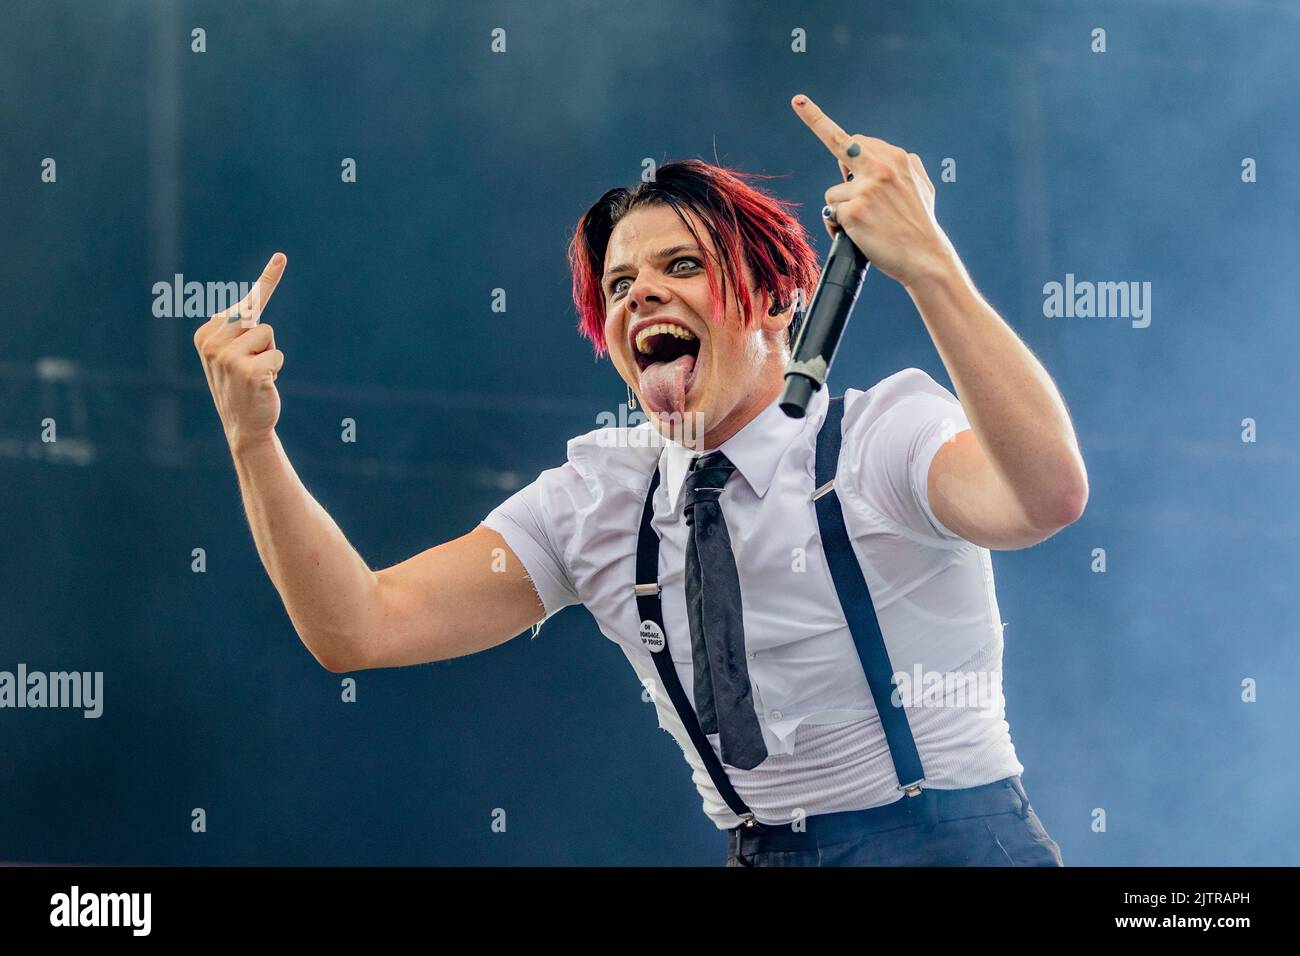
(575, 527)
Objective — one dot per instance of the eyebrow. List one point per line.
(661, 254)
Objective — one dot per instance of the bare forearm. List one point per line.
(886, 207)
(329, 592)
(1014, 407)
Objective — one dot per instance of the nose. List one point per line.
(643, 293)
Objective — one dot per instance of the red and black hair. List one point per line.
(744, 223)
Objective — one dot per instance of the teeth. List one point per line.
(643, 337)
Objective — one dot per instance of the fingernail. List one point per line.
(277, 258)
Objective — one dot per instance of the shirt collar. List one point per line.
(755, 450)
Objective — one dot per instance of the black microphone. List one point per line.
(828, 314)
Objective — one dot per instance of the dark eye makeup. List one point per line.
(613, 286)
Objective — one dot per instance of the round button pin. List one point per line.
(652, 636)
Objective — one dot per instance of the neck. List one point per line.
(768, 389)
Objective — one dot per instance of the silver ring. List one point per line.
(828, 213)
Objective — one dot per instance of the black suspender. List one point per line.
(859, 610)
(650, 609)
(855, 600)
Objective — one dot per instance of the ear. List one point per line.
(778, 322)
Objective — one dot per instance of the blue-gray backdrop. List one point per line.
(1125, 688)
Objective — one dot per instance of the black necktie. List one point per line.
(722, 697)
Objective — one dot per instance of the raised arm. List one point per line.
(462, 596)
(1017, 476)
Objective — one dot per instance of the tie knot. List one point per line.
(708, 476)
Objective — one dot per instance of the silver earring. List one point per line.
(631, 399)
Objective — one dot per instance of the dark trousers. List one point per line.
(991, 825)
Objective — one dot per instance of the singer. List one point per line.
(809, 601)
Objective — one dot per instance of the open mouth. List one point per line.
(665, 356)
(664, 342)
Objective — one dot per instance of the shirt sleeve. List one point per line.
(891, 435)
(537, 523)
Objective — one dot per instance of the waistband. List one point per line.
(926, 809)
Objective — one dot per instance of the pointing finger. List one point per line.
(823, 127)
(250, 309)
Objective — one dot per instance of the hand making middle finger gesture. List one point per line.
(886, 204)
(241, 362)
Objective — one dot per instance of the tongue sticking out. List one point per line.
(664, 384)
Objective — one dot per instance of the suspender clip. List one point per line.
(926, 809)
(912, 789)
(646, 590)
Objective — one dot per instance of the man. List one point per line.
(770, 614)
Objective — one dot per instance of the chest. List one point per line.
(786, 589)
